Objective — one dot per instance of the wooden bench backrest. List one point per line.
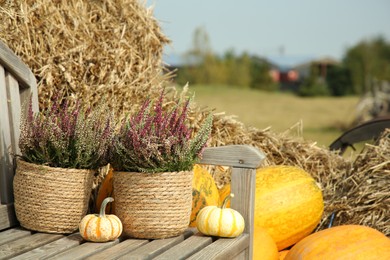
(17, 84)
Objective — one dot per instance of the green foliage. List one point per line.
(260, 78)
(367, 61)
(66, 137)
(314, 85)
(312, 89)
(339, 81)
(157, 140)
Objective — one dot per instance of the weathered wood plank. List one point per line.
(156, 247)
(84, 250)
(14, 110)
(243, 186)
(186, 248)
(243, 156)
(223, 248)
(15, 65)
(6, 165)
(17, 85)
(12, 234)
(25, 244)
(7, 216)
(241, 256)
(52, 248)
(119, 250)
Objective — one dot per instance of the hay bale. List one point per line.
(361, 194)
(88, 50)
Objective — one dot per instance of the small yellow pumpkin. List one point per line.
(221, 222)
(102, 227)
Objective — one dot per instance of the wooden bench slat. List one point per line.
(233, 155)
(6, 165)
(16, 66)
(243, 185)
(52, 248)
(7, 216)
(187, 248)
(84, 250)
(15, 110)
(119, 250)
(13, 234)
(25, 244)
(156, 247)
(223, 248)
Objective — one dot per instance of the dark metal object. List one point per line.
(369, 130)
(331, 219)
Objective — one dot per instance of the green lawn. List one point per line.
(321, 117)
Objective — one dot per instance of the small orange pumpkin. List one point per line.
(204, 192)
(102, 227)
(342, 242)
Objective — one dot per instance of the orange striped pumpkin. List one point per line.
(102, 227)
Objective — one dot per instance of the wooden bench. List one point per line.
(16, 84)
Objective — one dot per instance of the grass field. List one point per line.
(321, 118)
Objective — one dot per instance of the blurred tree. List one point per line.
(339, 81)
(368, 61)
(314, 84)
(260, 76)
(236, 69)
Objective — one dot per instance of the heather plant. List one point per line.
(157, 140)
(66, 136)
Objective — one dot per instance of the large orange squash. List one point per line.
(343, 242)
(288, 204)
(264, 247)
(204, 192)
(283, 254)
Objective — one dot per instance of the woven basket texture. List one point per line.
(49, 199)
(153, 206)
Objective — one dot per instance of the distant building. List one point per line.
(321, 66)
(291, 77)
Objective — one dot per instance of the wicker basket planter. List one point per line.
(153, 206)
(51, 200)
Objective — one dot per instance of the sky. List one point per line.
(282, 30)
